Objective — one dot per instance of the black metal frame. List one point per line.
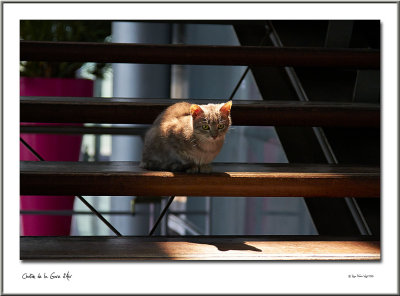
(301, 144)
(91, 208)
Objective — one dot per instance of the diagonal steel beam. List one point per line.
(300, 143)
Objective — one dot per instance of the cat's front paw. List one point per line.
(205, 168)
(192, 169)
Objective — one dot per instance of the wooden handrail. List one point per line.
(228, 179)
(244, 112)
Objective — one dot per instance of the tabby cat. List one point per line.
(186, 137)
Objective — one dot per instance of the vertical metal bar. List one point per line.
(179, 81)
(207, 216)
(151, 215)
(164, 222)
(96, 158)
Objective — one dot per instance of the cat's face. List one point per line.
(212, 121)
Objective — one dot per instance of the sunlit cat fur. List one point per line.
(186, 137)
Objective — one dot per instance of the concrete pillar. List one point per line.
(136, 81)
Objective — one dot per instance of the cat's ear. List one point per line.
(226, 108)
(195, 110)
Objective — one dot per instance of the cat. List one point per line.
(186, 137)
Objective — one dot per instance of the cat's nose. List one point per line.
(214, 136)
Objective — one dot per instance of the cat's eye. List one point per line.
(205, 127)
(221, 126)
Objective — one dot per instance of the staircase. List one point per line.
(327, 185)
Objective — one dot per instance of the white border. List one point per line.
(231, 278)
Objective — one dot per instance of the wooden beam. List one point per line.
(198, 248)
(127, 178)
(244, 112)
(79, 130)
(197, 54)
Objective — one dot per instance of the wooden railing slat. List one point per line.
(198, 248)
(127, 178)
(197, 54)
(252, 112)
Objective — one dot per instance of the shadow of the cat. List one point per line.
(237, 246)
